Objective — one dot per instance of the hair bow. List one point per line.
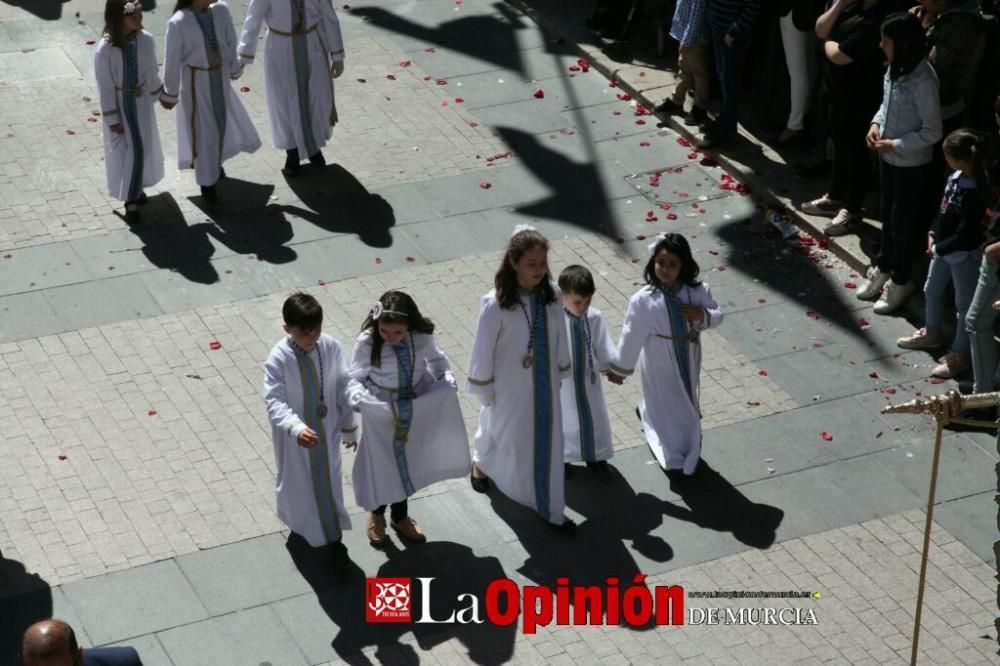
(130, 7)
(522, 227)
(376, 310)
(656, 241)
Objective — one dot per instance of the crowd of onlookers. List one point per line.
(905, 95)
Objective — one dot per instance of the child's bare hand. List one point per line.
(308, 438)
(166, 104)
(614, 379)
(350, 445)
(117, 128)
(693, 313)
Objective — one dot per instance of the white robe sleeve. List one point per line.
(361, 365)
(173, 46)
(635, 332)
(604, 347)
(106, 84)
(346, 412)
(713, 313)
(228, 38)
(437, 363)
(331, 30)
(256, 12)
(480, 381)
(150, 70)
(278, 412)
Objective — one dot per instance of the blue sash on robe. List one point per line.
(130, 85)
(319, 455)
(403, 414)
(217, 86)
(300, 52)
(679, 331)
(580, 378)
(541, 377)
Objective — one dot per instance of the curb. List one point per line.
(757, 185)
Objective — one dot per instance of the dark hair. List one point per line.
(909, 43)
(970, 146)
(302, 311)
(577, 280)
(397, 308)
(182, 4)
(678, 246)
(114, 22)
(506, 277)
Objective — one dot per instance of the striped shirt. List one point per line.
(734, 17)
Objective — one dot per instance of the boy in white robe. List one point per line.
(413, 433)
(198, 66)
(304, 51)
(519, 359)
(128, 84)
(586, 426)
(662, 334)
(305, 389)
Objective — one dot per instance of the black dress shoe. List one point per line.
(210, 194)
(715, 140)
(340, 560)
(222, 173)
(601, 469)
(142, 199)
(567, 527)
(481, 484)
(317, 160)
(696, 118)
(669, 107)
(292, 166)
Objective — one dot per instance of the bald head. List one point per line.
(50, 643)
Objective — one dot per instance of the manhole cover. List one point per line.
(679, 184)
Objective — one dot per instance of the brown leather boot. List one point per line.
(376, 530)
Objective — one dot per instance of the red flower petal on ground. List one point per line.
(762, 373)
(644, 144)
(625, 97)
(890, 391)
(539, 94)
(92, 120)
(574, 68)
(640, 122)
(671, 216)
(827, 437)
(693, 155)
(721, 268)
(405, 63)
(151, 412)
(936, 380)
(612, 83)
(642, 111)
(665, 206)
(714, 253)
(584, 64)
(812, 315)
(430, 50)
(687, 144)
(473, 123)
(215, 345)
(850, 285)
(411, 259)
(619, 240)
(378, 260)
(245, 89)
(90, 42)
(753, 403)
(366, 80)
(616, 113)
(873, 374)
(70, 132)
(61, 457)
(864, 323)
(485, 185)
(459, 100)
(442, 82)
(635, 260)
(640, 237)
(762, 300)
(391, 77)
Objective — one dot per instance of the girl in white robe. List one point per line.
(199, 62)
(586, 426)
(128, 84)
(304, 50)
(519, 358)
(413, 434)
(305, 389)
(662, 334)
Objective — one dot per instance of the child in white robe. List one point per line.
(412, 431)
(128, 84)
(586, 426)
(662, 334)
(304, 50)
(519, 358)
(305, 389)
(199, 62)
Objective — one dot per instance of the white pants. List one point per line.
(801, 60)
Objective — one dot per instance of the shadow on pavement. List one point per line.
(596, 552)
(49, 10)
(455, 570)
(246, 223)
(339, 203)
(168, 241)
(24, 599)
(715, 504)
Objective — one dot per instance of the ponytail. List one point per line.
(970, 146)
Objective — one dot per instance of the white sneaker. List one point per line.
(872, 289)
(893, 296)
(842, 224)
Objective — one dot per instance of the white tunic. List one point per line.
(323, 43)
(186, 74)
(579, 393)
(671, 418)
(119, 149)
(505, 440)
(436, 446)
(309, 485)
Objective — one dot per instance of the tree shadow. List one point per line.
(714, 503)
(487, 38)
(455, 570)
(247, 223)
(168, 241)
(614, 513)
(339, 203)
(48, 10)
(24, 599)
(578, 194)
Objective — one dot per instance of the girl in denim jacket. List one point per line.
(903, 133)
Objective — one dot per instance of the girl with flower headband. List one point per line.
(413, 433)
(662, 334)
(519, 358)
(128, 84)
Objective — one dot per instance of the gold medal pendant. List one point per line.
(527, 361)
(322, 410)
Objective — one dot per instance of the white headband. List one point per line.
(656, 241)
(377, 311)
(522, 227)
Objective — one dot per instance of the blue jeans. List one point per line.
(729, 67)
(979, 324)
(904, 223)
(940, 276)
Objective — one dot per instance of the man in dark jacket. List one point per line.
(53, 643)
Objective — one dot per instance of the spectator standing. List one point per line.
(798, 40)
(730, 23)
(690, 29)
